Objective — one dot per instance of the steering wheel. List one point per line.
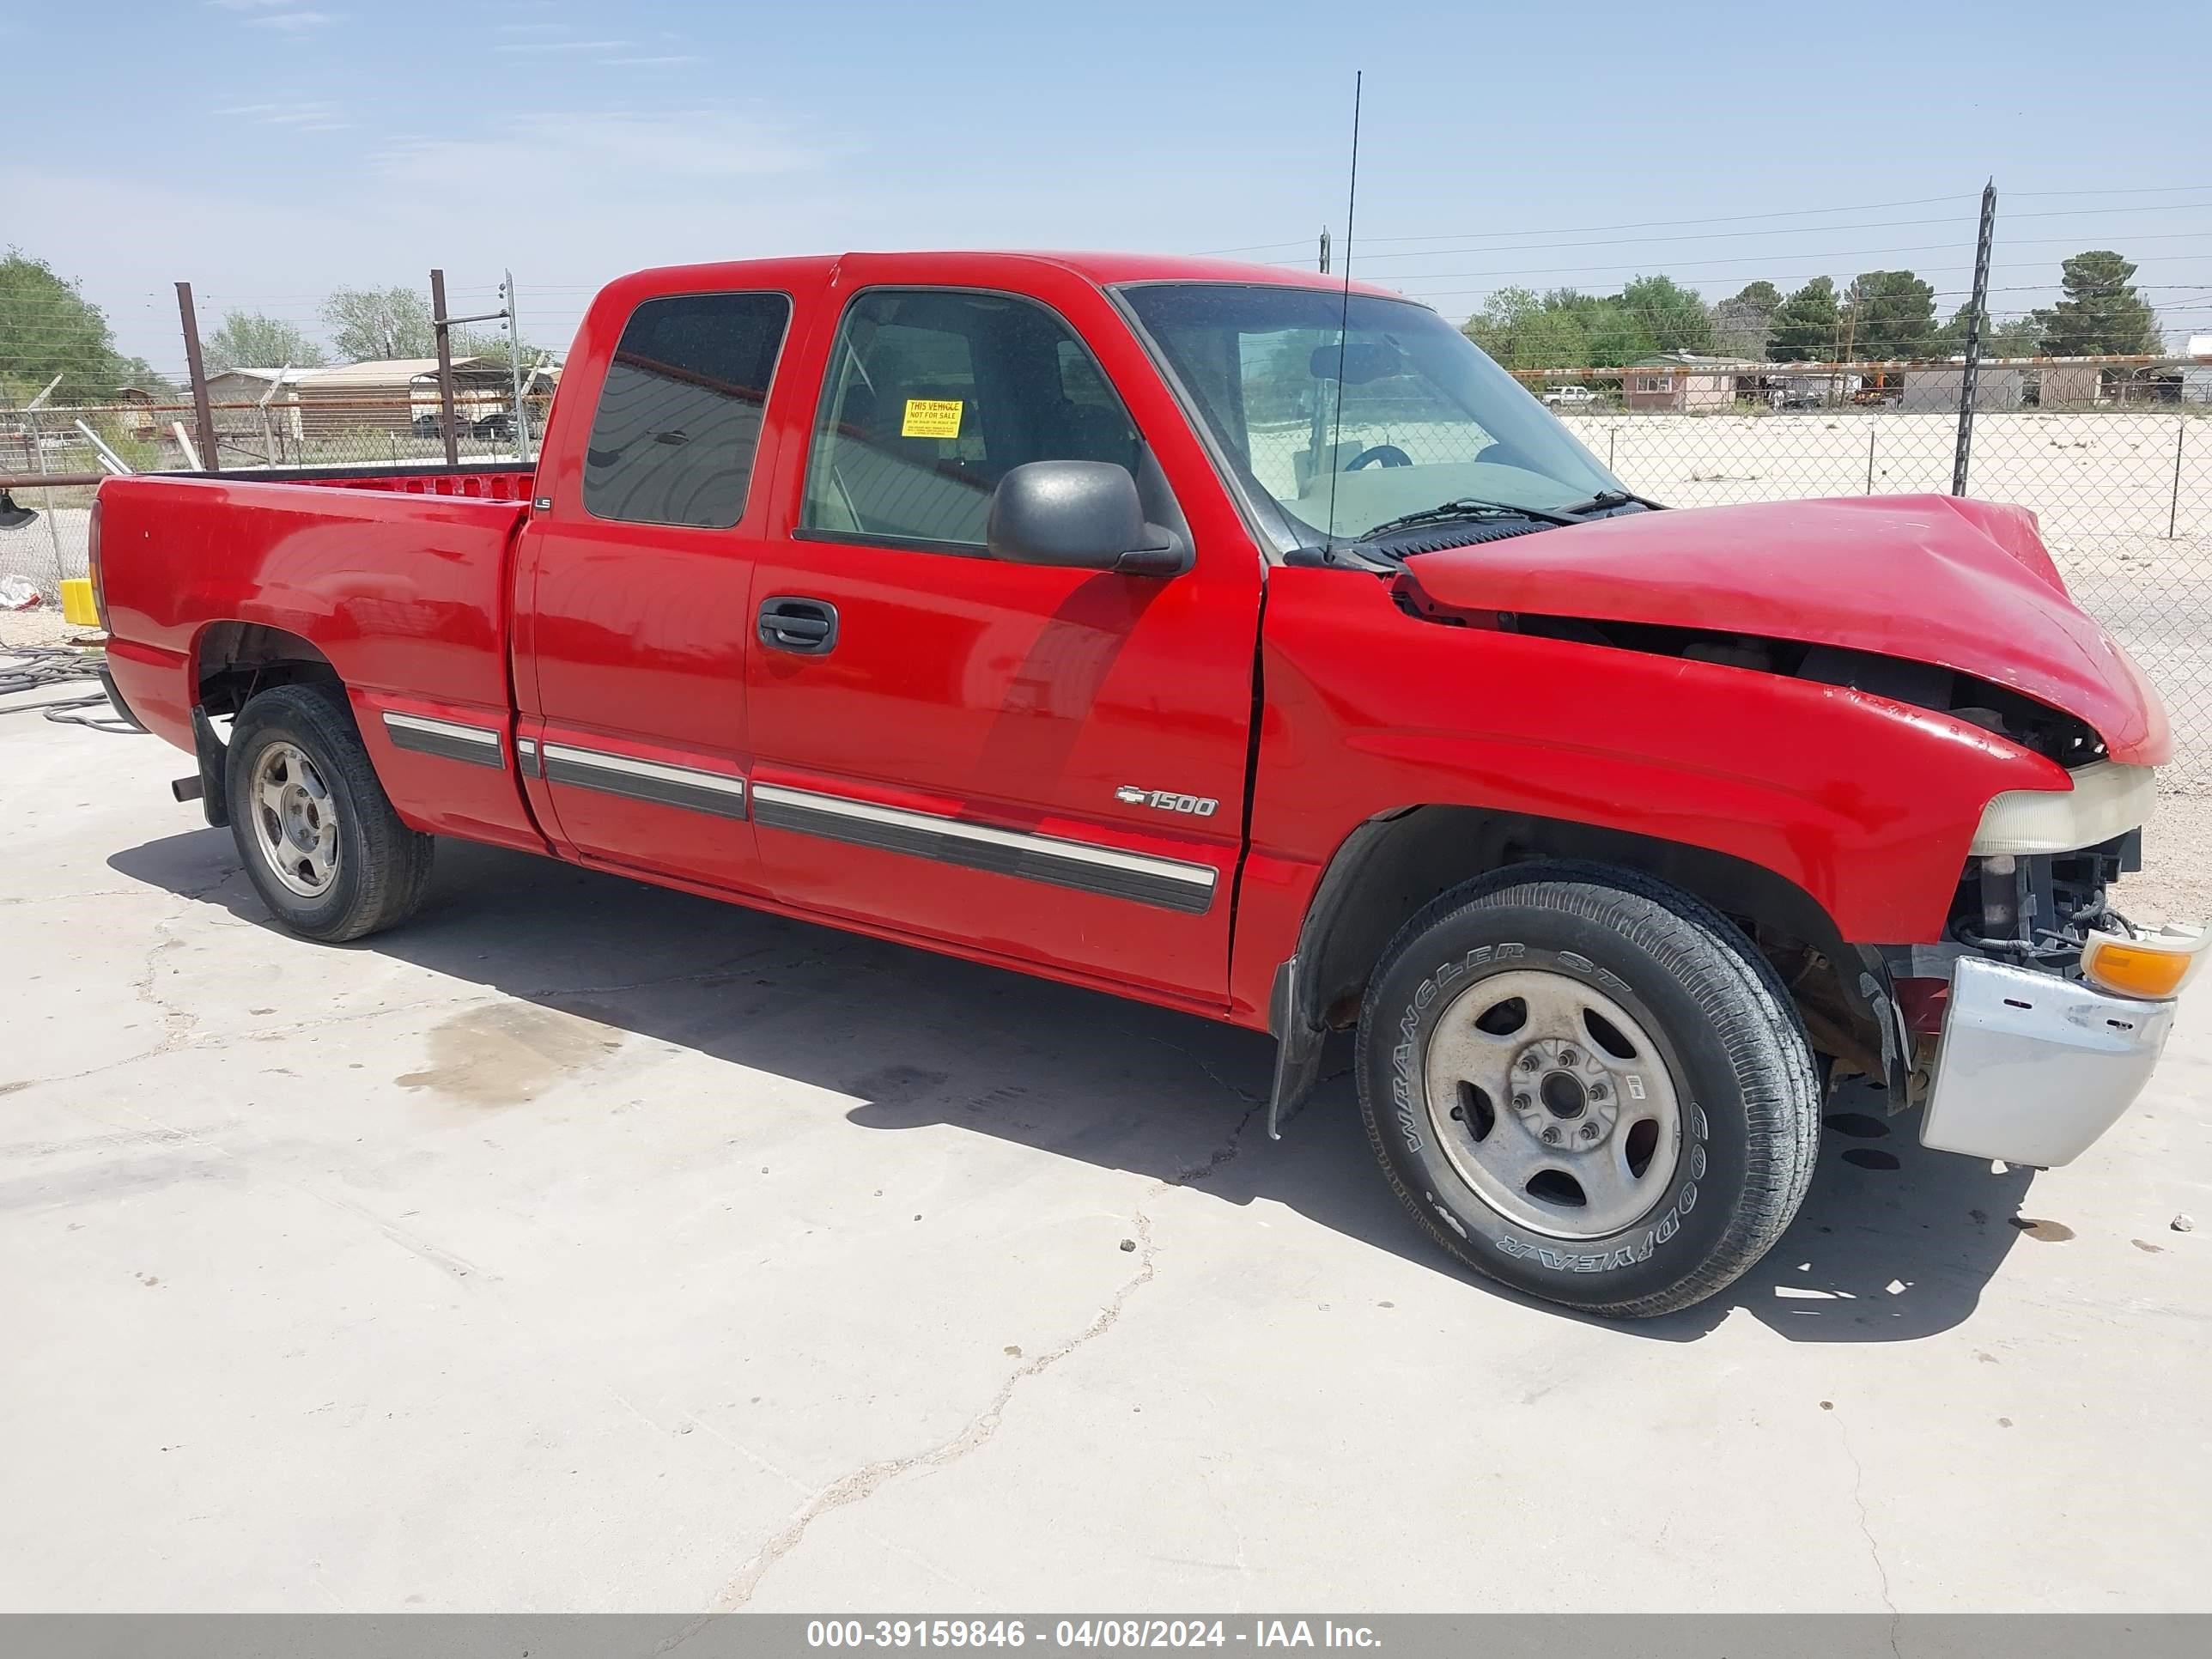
(1387, 454)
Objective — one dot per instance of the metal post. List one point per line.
(268, 457)
(445, 367)
(2173, 509)
(39, 452)
(1975, 317)
(1874, 425)
(520, 422)
(197, 370)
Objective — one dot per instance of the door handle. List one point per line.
(805, 627)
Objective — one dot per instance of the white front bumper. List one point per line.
(2032, 1068)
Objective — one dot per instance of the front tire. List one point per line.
(318, 837)
(1590, 1086)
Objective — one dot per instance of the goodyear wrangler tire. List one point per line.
(1590, 1086)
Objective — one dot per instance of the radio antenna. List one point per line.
(1344, 313)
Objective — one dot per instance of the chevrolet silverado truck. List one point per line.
(1246, 643)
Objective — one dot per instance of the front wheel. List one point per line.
(318, 835)
(1589, 1085)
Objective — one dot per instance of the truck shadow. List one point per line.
(1894, 1242)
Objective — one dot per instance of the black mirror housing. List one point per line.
(1084, 515)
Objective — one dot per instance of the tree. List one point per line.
(493, 348)
(2101, 312)
(249, 340)
(1674, 317)
(1889, 314)
(1521, 331)
(367, 324)
(2016, 336)
(1805, 325)
(48, 328)
(1743, 325)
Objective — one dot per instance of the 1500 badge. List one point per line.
(1162, 800)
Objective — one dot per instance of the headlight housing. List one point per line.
(2108, 798)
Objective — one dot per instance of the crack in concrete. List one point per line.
(1243, 1094)
(864, 1482)
(1866, 1528)
(65, 898)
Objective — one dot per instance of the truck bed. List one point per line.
(399, 578)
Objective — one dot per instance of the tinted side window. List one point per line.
(679, 419)
(932, 396)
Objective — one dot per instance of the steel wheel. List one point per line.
(1553, 1104)
(295, 824)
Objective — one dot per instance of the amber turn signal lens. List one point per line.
(2157, 967)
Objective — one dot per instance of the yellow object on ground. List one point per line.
(77, 608)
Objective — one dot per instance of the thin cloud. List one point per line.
(616, 148)
(563, 45)
(292, 19)
(303, 117)
(656, 63)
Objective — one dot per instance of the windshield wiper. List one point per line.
(1610, 498)
(1463, 506)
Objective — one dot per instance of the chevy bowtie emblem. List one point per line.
(1162, 800)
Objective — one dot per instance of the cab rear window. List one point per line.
(679, 417)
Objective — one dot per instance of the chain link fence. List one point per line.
(2124, 491)
(2123, 496)
(82, 442)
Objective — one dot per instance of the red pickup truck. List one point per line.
(1248, 644)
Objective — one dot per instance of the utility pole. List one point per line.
(520, 422)
(1324, 250)
(1980, 303)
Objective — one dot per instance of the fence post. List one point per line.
(36, 432)
(519, 421)
(197, 369)
(445, 369)
(2173, 507)
(1874, 425)
(1979, 312)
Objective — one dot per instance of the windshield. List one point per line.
(1425, 418)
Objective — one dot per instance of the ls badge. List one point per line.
(1198, 807)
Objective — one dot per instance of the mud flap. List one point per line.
(1298, 1042)
(214, 755)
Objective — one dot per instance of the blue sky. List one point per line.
(271, 149)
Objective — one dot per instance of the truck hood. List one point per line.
(1963, 585)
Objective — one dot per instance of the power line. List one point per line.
(1789, 230)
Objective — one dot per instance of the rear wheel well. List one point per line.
(236, 659)
(1389, 868)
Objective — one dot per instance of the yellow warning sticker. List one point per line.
(931, 417)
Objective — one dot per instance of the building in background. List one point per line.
(1938, 388)
(2197, 374)
(393, 394)
(1684, 381)
(278, 414)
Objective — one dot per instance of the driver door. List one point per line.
(1036, 765)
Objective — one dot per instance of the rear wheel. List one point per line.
(1589, 1085)
(318, 837)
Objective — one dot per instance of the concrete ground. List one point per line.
(587, 1246)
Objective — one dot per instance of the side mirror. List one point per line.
(1085, 515)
